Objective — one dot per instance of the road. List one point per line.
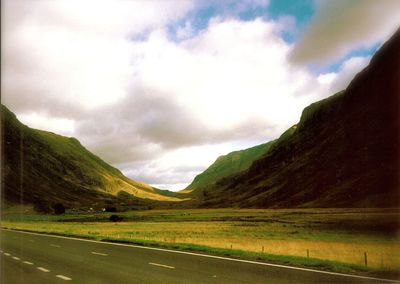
(34, 258)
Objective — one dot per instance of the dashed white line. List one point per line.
(28, 262)
(161, 265)
(16, 258)
(7, 254)
(43, 269)
(56, 246)
(99, 253)
(64, 277)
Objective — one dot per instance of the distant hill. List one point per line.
(344, 152)
(43, 166)
(225, 166)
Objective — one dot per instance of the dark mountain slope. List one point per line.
(343, 152)
(39, 165)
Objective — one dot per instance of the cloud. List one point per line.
(73, 55)
(341, 26)
(178, 166)
(231, 72)
(347, 71)
(53, 124)
(145, 124)
(338, 81)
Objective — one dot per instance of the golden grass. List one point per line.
(224, 234)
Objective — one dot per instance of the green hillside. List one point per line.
(39, 165)
(225, 166)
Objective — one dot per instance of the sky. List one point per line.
(160, 89)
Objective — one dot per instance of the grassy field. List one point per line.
(302, 235)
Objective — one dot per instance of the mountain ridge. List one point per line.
(344, 152)
(43, 166)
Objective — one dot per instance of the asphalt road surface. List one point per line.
(34, 258)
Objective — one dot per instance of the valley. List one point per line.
(325, 194)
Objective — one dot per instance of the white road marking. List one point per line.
(161, 265)
(56, 246)
(27, 262)
(210, 256)
(7, 254)
(214, 276)
(43, 269)
(99, 253)
(64, 277)
(16, 258)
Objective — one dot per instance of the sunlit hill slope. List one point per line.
(225, 166)
(43, 166)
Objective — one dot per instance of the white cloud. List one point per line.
(347, 71)
(60, 126)
(74, 54)
(178, 166)
(335, 82)
(327, 78)
(341, 26)
(231, 73)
